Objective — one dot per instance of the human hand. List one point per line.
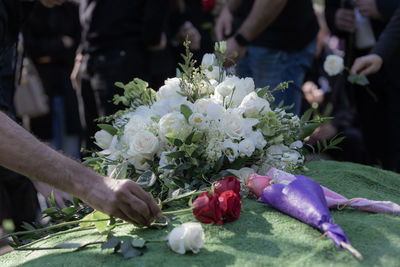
(345, 20)
(231, 47)
(52, 3)
(325, 132)
(124, 199)
(75, 71)
(59, 196)
(187, 29)
(223, 25)
(368, 8)
(367, 65)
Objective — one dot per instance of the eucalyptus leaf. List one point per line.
(108, 128)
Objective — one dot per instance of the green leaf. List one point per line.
(69, 210)
(101, 226)
(112, 242)
(120, 85)
(263, 91)
(352, 78)
(186, 111)
(138, 243)
(128, 251)
(147, 179)
(173, 198)
(88, 217)
(52, 201)
(176, 155)
(307, 115)
(8, 225)
(75, 200)
(308, 130)
(108, 128)
(362, 81)
(219, 163)
(197, 136)
(120, 171)
(90, 161)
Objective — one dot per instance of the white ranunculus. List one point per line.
(208, 60)
(170, 88)
(258, 139)
(174, 122)
(246, 147)
(187, 237)
(103, 139)
(230, 149)
(198, 120)
(253, 104)
(144, 144)
(333, 65)
(296, 145)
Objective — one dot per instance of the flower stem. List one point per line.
(177, 212)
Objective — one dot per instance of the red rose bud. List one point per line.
(230, 205)
(206, 209)
(228, 183)
(207, 5)
(257, 183)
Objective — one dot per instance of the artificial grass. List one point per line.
(261, 236)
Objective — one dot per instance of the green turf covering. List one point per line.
(261, 236)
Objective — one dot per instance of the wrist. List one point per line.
(241, 39)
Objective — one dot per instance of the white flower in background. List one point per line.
(144, 144)
(292, 156)
(214, 73)
(235, 126)
(230, 149)
(246, 147)
(169, 89)
(224, 89)
(277, 150)
(208, 60)
(136, 124)
(198, 121)
(171, 104)
(214, 112)
(201, 105)
(174, 122)
(243, 87)
(253, 104)
(103, 139)
(113, 151)
(296, 145)
(333, 65)
(144, 112)
(141, 165)
(214, 149)
(187, 237)
(258, 139)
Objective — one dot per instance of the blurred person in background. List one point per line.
(360, 24)
(275, 41)
(51, 37)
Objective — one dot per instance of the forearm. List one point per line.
(262, 14)
(233, 5)
(23, 153)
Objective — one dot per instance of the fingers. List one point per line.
(132, 215)
(146, 198)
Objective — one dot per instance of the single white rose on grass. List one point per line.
(230, 149)
(144, 144)
(103, 139)
(187, 237)
(333, 65)
(253, 104)
(174, 122)
(208, 60)
(170, 88)
(246, 147)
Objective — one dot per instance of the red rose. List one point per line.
(207, 5)
(206, 209)
(230, 205)
(228, 183)
(257, 183)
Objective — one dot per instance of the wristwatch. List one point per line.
(240, 39)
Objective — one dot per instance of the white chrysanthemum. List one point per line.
(187, 237)
(246, 147)
(230, 149)
(170, 88)
(333, 65)
(253, 104)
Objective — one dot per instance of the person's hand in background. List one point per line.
(345, 20)
(367, 65)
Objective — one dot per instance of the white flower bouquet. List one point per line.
(195, 128)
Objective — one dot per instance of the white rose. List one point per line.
(230, 149)
(208, 60)
(141, 165)
(246, 147)
(174, 122)
(258, 139)
(103, 139)
(201, 105)
(144, 144)
(169, 89)
(224, 89)
(253, 104)
(187, 237)
(214, 112)
(333, 65)
(235, 126)
(198, 120)
(243, 87)
(136, 123)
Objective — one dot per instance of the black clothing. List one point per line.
(294, 28)
(121, 23)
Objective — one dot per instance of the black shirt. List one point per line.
(294, 28)
(116, 24)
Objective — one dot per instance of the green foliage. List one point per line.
(108, 128)
(136, 93)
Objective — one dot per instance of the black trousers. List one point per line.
(99, 72)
